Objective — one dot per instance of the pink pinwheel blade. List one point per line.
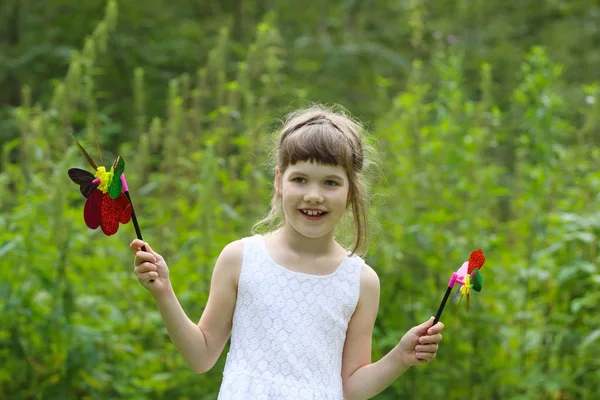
(462, 271)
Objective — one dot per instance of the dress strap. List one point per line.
(253, 255)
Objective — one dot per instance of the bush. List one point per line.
(461, 172)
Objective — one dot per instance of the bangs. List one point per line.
(316, 143)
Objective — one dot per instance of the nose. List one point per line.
(313, 195)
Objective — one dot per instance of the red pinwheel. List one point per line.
(108, 202)
(468, 276)
(106, 205)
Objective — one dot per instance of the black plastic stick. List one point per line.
(138, 232)
(442, 305)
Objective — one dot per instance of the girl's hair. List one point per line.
(320, 134)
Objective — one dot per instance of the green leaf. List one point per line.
(6, 247)
(592, 337)
(116, 186)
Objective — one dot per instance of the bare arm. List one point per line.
(200, 344)
(216, 320)
(363, 379)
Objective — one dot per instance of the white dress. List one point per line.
(288, 329)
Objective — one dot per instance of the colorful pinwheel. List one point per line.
(468, 276)
(108, 202)
(106, 205)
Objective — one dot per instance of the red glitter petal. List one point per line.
(91, 210)
(124, 208)
(476, 260)
(114, 211)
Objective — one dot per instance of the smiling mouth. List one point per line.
(313, 214)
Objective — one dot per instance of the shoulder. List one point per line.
(229, 262)
(369, 285)
(232, 252)
(368, 275)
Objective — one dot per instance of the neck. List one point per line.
(300, 244)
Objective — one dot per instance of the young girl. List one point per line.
(300, 308)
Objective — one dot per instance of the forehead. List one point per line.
(316, 169)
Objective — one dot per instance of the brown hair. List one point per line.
(320, 134)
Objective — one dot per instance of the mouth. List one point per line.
(313, 214)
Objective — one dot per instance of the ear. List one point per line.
(277, 182)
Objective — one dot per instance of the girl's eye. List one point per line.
(331, 183)
(298, 180)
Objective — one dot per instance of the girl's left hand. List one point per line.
(420, 344)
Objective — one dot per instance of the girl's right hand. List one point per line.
(150, 268)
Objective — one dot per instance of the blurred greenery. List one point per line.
(486, 118)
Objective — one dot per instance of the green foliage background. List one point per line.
(486, 118)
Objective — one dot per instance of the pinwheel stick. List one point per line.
(138, 232)
(442, 305)
(454, 279)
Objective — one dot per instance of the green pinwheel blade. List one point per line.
(116, 186)
(476, 280)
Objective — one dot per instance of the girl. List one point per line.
(300, 308)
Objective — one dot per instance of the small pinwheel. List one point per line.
(108, 202)
(468, 276)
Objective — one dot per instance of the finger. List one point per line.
(149, 249)
(431, 339)
(145, 267)
(147, 277)
(436, 328)
(426, 348)
(422, 329)
(426, 357)
(136, 245)
(141, 257)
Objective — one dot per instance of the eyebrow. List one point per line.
(333, 176)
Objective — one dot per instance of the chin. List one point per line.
(300, 227)
(314, 233)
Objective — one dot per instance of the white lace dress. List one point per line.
(288, 330)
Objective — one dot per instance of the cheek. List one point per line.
(343, 200)
(287, 194)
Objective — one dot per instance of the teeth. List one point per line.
(310, 212)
